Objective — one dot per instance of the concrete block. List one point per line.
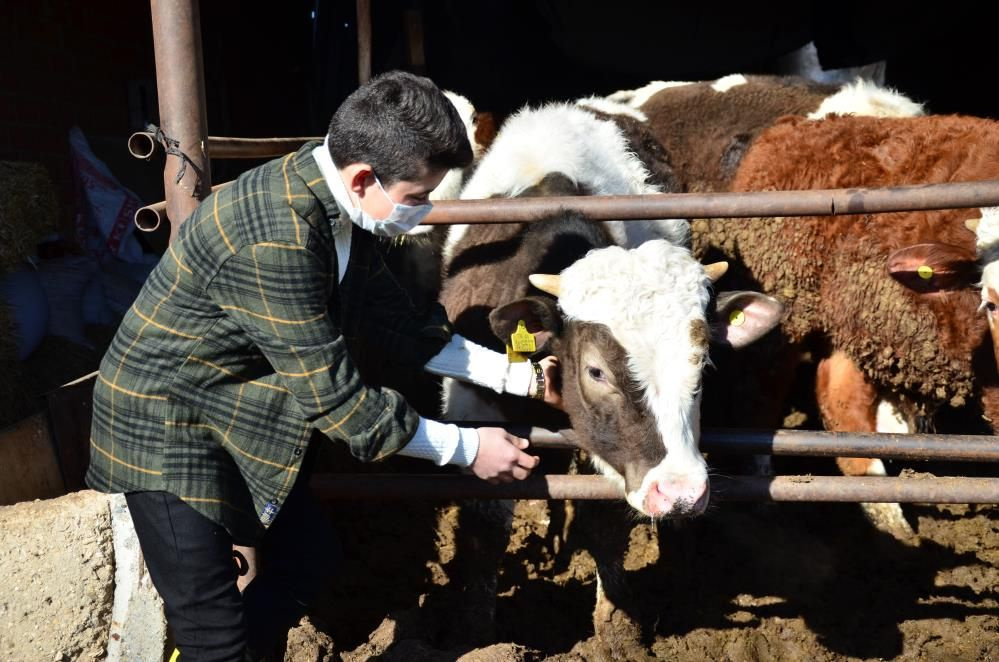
(138, 626)
(57, 570)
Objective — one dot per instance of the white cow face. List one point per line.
(631, 329)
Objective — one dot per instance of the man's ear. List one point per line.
(743, 317)
(359, 177)
(539, 314)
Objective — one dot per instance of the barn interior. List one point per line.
(77, 79)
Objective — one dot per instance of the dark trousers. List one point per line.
(191, 564)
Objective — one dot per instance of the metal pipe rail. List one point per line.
(809, 443)
(839, 489)
(819, 202)
(143, 145)
(824, 202)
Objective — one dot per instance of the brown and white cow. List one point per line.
(705, 127)
(885, 302)
(630, 326)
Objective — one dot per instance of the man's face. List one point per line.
(378, 202)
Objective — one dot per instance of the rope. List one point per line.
(172, 146)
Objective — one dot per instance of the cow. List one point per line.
(705, 127)
(630, 327)
(885, 303)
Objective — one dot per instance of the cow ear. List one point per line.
(539, 314)
(933, 267)
(743, 317)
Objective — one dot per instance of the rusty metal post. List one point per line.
(363, 41)
(180, 85)
(187, 177)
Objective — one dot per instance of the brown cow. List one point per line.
(885, 301)
(705, 127)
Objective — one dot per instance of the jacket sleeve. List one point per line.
(277, 293)
(405, 336)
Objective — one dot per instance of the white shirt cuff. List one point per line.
(520, 379)
(470, 362)
(443, 443)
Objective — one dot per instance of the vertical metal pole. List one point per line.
(180, 85)
(363, 41)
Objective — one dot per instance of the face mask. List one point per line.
(401, 220)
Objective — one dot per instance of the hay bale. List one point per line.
(29, 210)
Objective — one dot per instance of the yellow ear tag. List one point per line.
(522, 340)
(514, 357)
(925, 272)
(736, 318)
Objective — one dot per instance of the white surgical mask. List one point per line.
(400, 220)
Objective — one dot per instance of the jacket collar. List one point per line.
(316, 181)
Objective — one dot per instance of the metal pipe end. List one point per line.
(142, 144)
(149, 218)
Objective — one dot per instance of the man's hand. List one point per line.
(553, 381)
(501, 458)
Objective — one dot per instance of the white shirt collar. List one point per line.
(340, 225)
(332, 176)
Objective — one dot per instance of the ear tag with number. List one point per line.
(522, 340)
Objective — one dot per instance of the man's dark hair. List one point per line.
(399, 124)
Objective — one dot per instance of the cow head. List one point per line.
(631, 329)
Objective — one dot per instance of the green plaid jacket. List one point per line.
(241, 343)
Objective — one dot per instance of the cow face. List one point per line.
(631, 329)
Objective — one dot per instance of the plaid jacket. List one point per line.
(242, 342)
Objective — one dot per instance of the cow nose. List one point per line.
(677, 498)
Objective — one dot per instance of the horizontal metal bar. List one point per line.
(723, 205)
(221, 147)
(150, 217)
(695, 205)
(808, 443)
(143, 145)
(845, 489)
(813, 443)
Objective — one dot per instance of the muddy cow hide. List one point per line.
(886, 303)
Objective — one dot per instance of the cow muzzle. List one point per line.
(676, 498)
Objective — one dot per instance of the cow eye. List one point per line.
(990, 306)
(596, 374)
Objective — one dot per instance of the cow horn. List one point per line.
(972, 224)
(715, 270)
(550, 283)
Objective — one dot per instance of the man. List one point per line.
(244, 341)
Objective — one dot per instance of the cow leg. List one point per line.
(849, 403)
(480, 543)
(605, 528)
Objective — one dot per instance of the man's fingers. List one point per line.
(519, 442)
(528, 461)
(520, 473)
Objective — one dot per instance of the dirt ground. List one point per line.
(744, 582)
